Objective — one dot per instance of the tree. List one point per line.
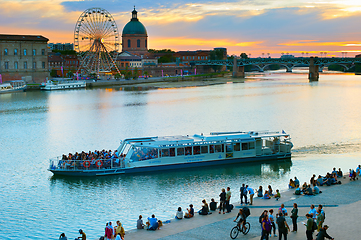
(216, 55)
(145, 73)
(53, 73)
(244, 56)
(135, 73)
(117, 76)
(70, 74)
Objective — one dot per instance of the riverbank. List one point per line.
(341, 204)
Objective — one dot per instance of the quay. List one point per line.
(341, 204)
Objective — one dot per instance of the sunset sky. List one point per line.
(250, 26)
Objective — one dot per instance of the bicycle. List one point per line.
(237, 229)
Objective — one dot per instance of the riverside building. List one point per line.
(23, 57)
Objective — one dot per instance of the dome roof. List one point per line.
(134, 27)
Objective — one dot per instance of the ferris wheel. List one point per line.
(96, 40)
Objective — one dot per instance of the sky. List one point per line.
(255, 27)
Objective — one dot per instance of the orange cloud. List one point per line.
(315, 43)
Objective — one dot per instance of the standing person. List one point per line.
(319, 219)
(251, 194)
(260, 192)
(108, 232)
(309, 226)
(83, 235)
(323, 234)
(266, 228)
(313, 212)
(283, 227)
(294, 216)
(140, 224)
(282, 210)
(119, 230)
(273, 225)
(228, 199)
(222, 200)
(245, 192)
(241, 191)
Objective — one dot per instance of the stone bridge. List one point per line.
(315, 64)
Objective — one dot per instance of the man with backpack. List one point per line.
(283, 227)
(242, 214)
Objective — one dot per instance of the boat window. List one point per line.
(172, 152)
(196, 150)
(229, 147)
(244, 146)
(141, 153)
(165, 152)
(188, 150)
(211, 148)
(204, 149)
(218, 148)
(251, 145)
(180, 151)
(236, 147)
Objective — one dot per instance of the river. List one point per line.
(322, 117)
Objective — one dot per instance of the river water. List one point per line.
(322, 117)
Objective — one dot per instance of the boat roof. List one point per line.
(201, 138)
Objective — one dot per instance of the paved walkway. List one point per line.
(342, 207)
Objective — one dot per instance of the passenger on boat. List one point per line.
(179, 213)
(190, 212)
(205, 208)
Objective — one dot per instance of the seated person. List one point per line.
(319, 181)
(242, 218)
(266, 195)
(179, 213)
(160, 223)
(140, 224)
(308, 190)
(152, 223)
(339, 173)
(304, 187)
(352, 175)
(190, 212)
(213, 205)
(205, 209)
(298, 190)
(277, 195)
(334, 171)
(316, 190)
(291, 184)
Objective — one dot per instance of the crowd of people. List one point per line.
(269, 220)
(91, 160)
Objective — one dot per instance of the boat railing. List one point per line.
(95, 164)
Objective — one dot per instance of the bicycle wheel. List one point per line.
(246, 229)
(234, 232)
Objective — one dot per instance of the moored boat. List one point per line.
(13, 86)
(63, 84)
(149, 154)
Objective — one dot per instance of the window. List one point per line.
(25, 65)
(34, 52)
(42, 51)
(251, 145)
(6, 65)
(165, 152)
(34, 65)
(218, 148)
(180, 151)
(16, 65)
(172, 152)
(5, 51)
(196, 150)
(145, 43)
(188, 150)
(15, 51)
(229, 147)
(244, 146)
(128, 42)
(204, 149)
(24, 52)
(138, 43)
(43, 64)
(236, 147)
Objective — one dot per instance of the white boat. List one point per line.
(62, 84)
(175, 152)
(13, 86)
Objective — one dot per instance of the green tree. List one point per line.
(53, 73)
(145, 73)
(135, 73)
(117, 76)
(244, 56)
(216, 55)
(69, 74)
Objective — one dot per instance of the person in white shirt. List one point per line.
(179, 214)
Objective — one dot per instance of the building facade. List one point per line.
(134, 36)
(61, 46)
(61, 65)
(24, 56)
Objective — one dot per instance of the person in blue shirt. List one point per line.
(152, 223)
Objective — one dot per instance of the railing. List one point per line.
(95, 164)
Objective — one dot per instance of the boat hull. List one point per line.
(117, 171)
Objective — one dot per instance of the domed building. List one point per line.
(134, 36)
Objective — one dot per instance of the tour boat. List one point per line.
(149, 154)
(13, 86)
(62, 85)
